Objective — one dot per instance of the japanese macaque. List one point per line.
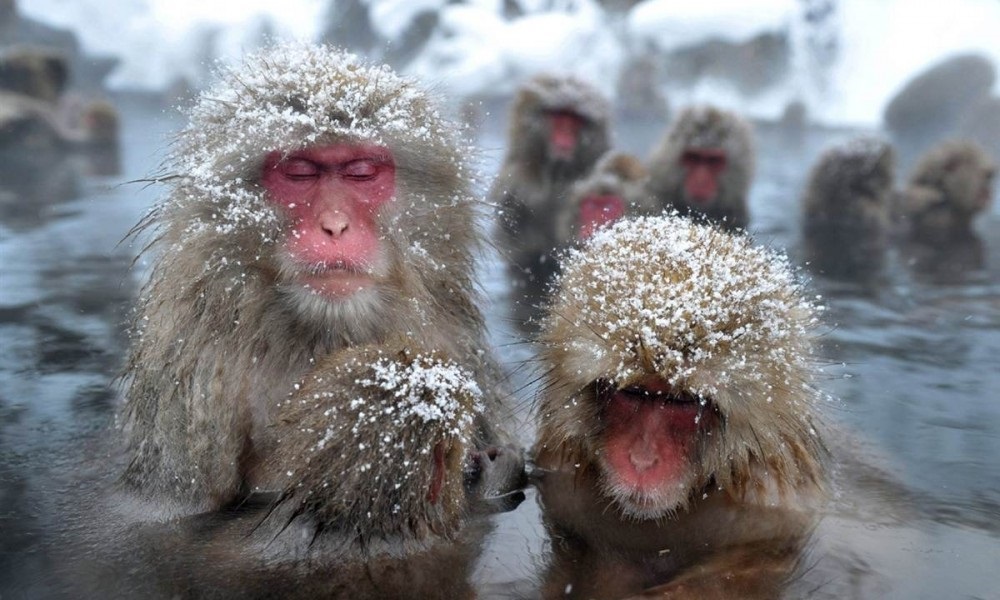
(614, 189)
(558, 130)
(950, 186)
(377, 489)
(677, 445)
(704, 165)
(316, 203)
(34, 72)
(846, 208)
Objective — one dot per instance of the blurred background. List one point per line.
(911, 359)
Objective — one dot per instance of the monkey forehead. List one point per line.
(297, 95)
(706, 126)
(671, 296)
(553, 92)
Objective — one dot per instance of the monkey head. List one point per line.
(376, 438)
(613, 189)
(705, 163)
(678, 360)
(852, 183)
(559, 122)
(962, 171)
(332, 186)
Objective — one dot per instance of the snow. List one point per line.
(691, 296)
(884, 43)
(673, 24)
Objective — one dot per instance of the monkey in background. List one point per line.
(950, 186)
(559, 127)
(846, 208)
(678, 449)
(704, 165)
(35, 72)
(614, 189)
(316, 203)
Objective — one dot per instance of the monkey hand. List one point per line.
(495, 478)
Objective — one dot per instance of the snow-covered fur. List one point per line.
(712, 314)
(359, 443)
(219, 336)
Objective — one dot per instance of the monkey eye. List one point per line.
(363, 169)
(714, 159)
(299, 169)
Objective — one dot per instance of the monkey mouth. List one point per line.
(335, 279)
(650, 440)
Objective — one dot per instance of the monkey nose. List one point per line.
(334, 223)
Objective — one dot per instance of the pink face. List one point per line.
(650, 436)
(598, 211)
(702, 168)
(564, 133)
(333, 195)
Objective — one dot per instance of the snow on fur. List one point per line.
(286, 98)
(708, 311)
(686, 295)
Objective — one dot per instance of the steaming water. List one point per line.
(912, 362)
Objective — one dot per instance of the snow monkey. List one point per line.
(372, 493)
(559, 127)
(704, 165)
(846, 208)
(677, 445)
(615, 188)
(316, 203)
(949, 187)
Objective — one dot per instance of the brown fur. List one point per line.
(719, 319)
(616, 173)
(706, 127)
(846, 208)
(219, 338)
(353, 447)
(950, 186)
(38, 73)
(532, 186)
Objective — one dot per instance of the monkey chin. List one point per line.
(337, 286)
(361, 310)
(649, 500)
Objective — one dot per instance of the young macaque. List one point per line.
(558, 130)
(317, 203)
(614, 189)
(377, 490)
(704, 165)
(846, 208)
(34, 72)
(677, 445)
(950, 186)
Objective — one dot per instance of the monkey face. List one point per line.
(333, 196)
(650, 442)
(677, 343)
(598, 210)
(703, 168)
